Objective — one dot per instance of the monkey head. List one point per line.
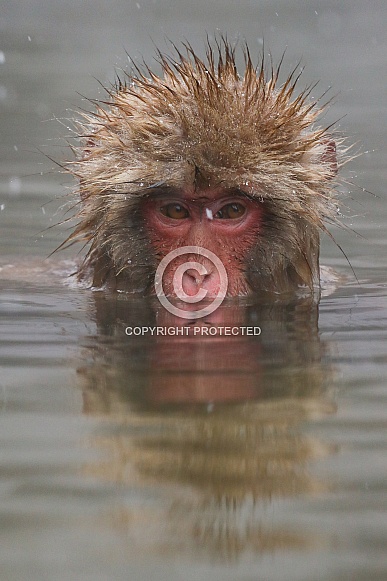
(202, 156)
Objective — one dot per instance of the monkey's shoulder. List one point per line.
(38, 271)
(331, 280)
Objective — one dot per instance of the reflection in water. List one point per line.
(209, 430)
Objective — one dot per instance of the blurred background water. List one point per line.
(127, 458)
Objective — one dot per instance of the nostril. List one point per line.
(195, 276)
(193, 282)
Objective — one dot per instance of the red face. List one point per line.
(223, 221)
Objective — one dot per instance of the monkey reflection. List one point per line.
(216, 422)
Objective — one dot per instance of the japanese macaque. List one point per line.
(202, 156)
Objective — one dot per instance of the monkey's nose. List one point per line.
(196, 277)
(193, 282)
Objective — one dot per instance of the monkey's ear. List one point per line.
(86, 152)
(87, 147)
(329, 156)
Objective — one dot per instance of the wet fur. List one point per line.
(201, 123)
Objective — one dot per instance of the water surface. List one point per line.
(179, 458)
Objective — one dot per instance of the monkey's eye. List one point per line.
(174, 211)
(231, 211)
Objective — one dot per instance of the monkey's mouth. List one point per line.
(196, 280)
(191, 277)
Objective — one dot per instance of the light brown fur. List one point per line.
(201, 123)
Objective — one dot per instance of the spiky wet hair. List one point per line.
(201, 122)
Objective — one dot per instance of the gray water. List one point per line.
(131, 458)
